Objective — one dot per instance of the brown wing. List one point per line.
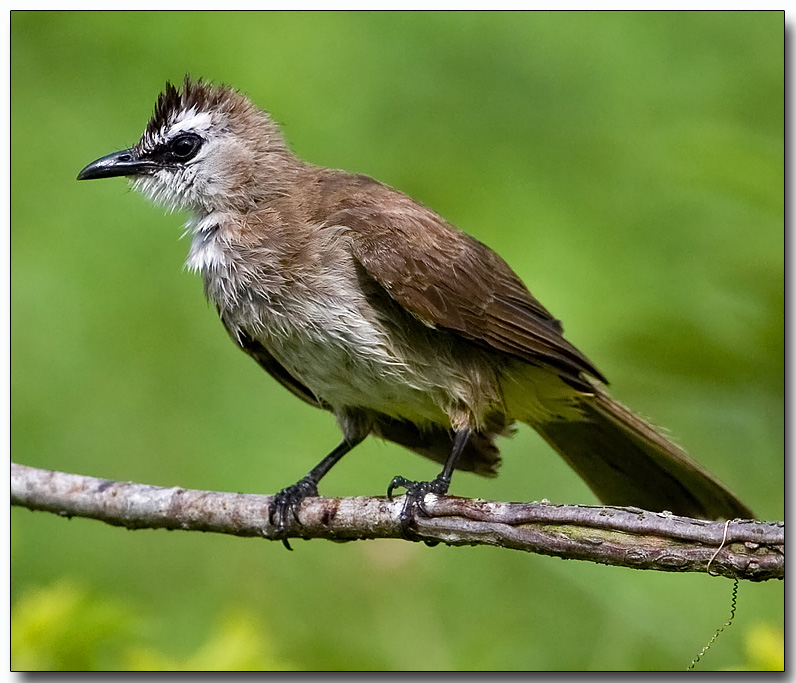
(446, 278)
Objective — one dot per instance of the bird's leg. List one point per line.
(416, 490)
(287, 501)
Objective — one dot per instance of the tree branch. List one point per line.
(628, 537)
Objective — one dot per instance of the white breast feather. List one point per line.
(206, 252)
(322, 338)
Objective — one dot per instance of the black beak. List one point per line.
(124, 163)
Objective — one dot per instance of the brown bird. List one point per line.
(364, 302)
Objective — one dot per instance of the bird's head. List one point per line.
(206, 148)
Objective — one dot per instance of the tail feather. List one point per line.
(625, 461)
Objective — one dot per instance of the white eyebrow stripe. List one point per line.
(190, 121)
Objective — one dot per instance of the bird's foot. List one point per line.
(415, 501)
(286, 503)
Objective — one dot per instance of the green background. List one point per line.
(629, 166)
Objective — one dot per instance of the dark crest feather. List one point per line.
(194, 94)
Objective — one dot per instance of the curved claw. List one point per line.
(398, 482)
(415, 495)
(287, 502)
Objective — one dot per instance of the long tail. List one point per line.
(625, 461)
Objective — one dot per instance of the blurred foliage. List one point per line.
(628, 165)
(62, 627)
(765, 649)
(239, 643)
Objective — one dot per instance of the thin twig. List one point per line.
(628, 537)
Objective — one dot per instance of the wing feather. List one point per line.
(446, 278)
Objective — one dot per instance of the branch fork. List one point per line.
(620, 536)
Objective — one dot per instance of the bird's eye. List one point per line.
(185, 147)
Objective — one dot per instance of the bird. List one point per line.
(363, 302)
